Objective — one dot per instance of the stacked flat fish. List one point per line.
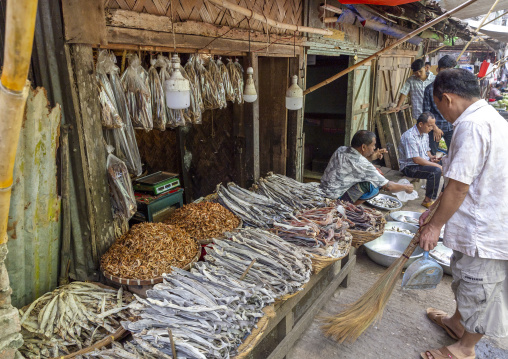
(320, 231)
(290, 192)
(210, 310)
(70, 318)
(254, 209)
(361, 218)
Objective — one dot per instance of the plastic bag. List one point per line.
(138, 94)
(120, 186)
(190, 70)
(109, 113)
(122, 139)
(159, 116)
(226, 81)
(209, 92)
(216, 75)
(236, 76)
(402, 195)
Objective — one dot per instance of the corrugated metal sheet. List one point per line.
(34, 225)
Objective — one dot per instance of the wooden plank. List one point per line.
(143, 21)
(401, 116)
(187, 184)
(87, 112)
(287, 343)
(84, 21)
(251, 120)
(393, 151)
(397, 133)
(293, 164)
(118, 35)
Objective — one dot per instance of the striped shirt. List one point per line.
(413, 144)
(417, 89)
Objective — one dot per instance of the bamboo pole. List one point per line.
(430, 52)
(280, 25)
(498, 66)
(478, 29)
(396, 43)
(494, 19)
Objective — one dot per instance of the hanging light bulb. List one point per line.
(177, 88)
(249, 92)
(294, 95)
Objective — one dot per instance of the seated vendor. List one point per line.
(415, 158)
(351, 177)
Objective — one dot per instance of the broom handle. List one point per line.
(416, 239)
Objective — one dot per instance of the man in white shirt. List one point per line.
(474, 207)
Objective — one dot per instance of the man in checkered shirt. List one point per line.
(415, 158)
(416, 85)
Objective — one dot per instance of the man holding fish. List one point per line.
(474, 207)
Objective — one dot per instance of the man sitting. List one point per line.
(350, 175)
(415, 158)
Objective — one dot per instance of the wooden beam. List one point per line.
(142, 21)
(251, 120)
(118, 35)
(84, 21)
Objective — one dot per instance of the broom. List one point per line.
(352, 322)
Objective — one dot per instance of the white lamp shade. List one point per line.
(177, 88)
(294, 95)
(249, 92)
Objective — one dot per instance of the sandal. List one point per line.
(436, 316)
(442, 353)
(427, 204)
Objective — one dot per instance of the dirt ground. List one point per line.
(404, 330)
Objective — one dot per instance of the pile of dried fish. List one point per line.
(211, 310)
(70, 318)
(290, 192)
(361, 218)
(148, 250)
(384, 202)
(320, 231)
(254, 209)
(204, 220)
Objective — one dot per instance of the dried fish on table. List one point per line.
(384, 202)
(320, 231)
(204, 220)
(361, 218)
(148, 250)
(290, 192)
(210, 310)
(72, 317)
(254, 209)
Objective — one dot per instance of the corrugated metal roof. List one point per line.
(34, 225)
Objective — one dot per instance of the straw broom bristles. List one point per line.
(351, 323)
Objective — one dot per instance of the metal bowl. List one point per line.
(408, 226)
(396, 216)
(390, 246)
(385, 196)
(441, 249)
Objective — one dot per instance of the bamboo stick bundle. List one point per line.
(351, 323)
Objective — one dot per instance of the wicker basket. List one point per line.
(362, 237)
(321, 262)
(151, 281)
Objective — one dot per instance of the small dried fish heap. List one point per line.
(210, 310)
(321, 231)
(384, 202)
(148, 250)
(70, 318)
(204, 220)
(290, 192)
(254, 209)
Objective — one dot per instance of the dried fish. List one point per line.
(70, 318)
(148, 250)
(384, 202)
(361, 218)
(204, 220)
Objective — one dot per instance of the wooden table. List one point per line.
(295, 315)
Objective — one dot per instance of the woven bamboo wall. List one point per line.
(289, 11)
(159, 150)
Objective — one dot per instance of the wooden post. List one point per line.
(251, 117)
(187, 185)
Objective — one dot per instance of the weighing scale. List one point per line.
(157, 183)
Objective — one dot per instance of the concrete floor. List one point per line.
(404, 331)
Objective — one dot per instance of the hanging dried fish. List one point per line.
(138, 94)
(193, 113)
(158, 100)
(209, 91)
(236, 76)
(148, 250)
(120, 187)
(190, 70)
(216, 75)
(226, 81)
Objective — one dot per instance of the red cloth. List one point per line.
(483, 69)
(377, 2)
